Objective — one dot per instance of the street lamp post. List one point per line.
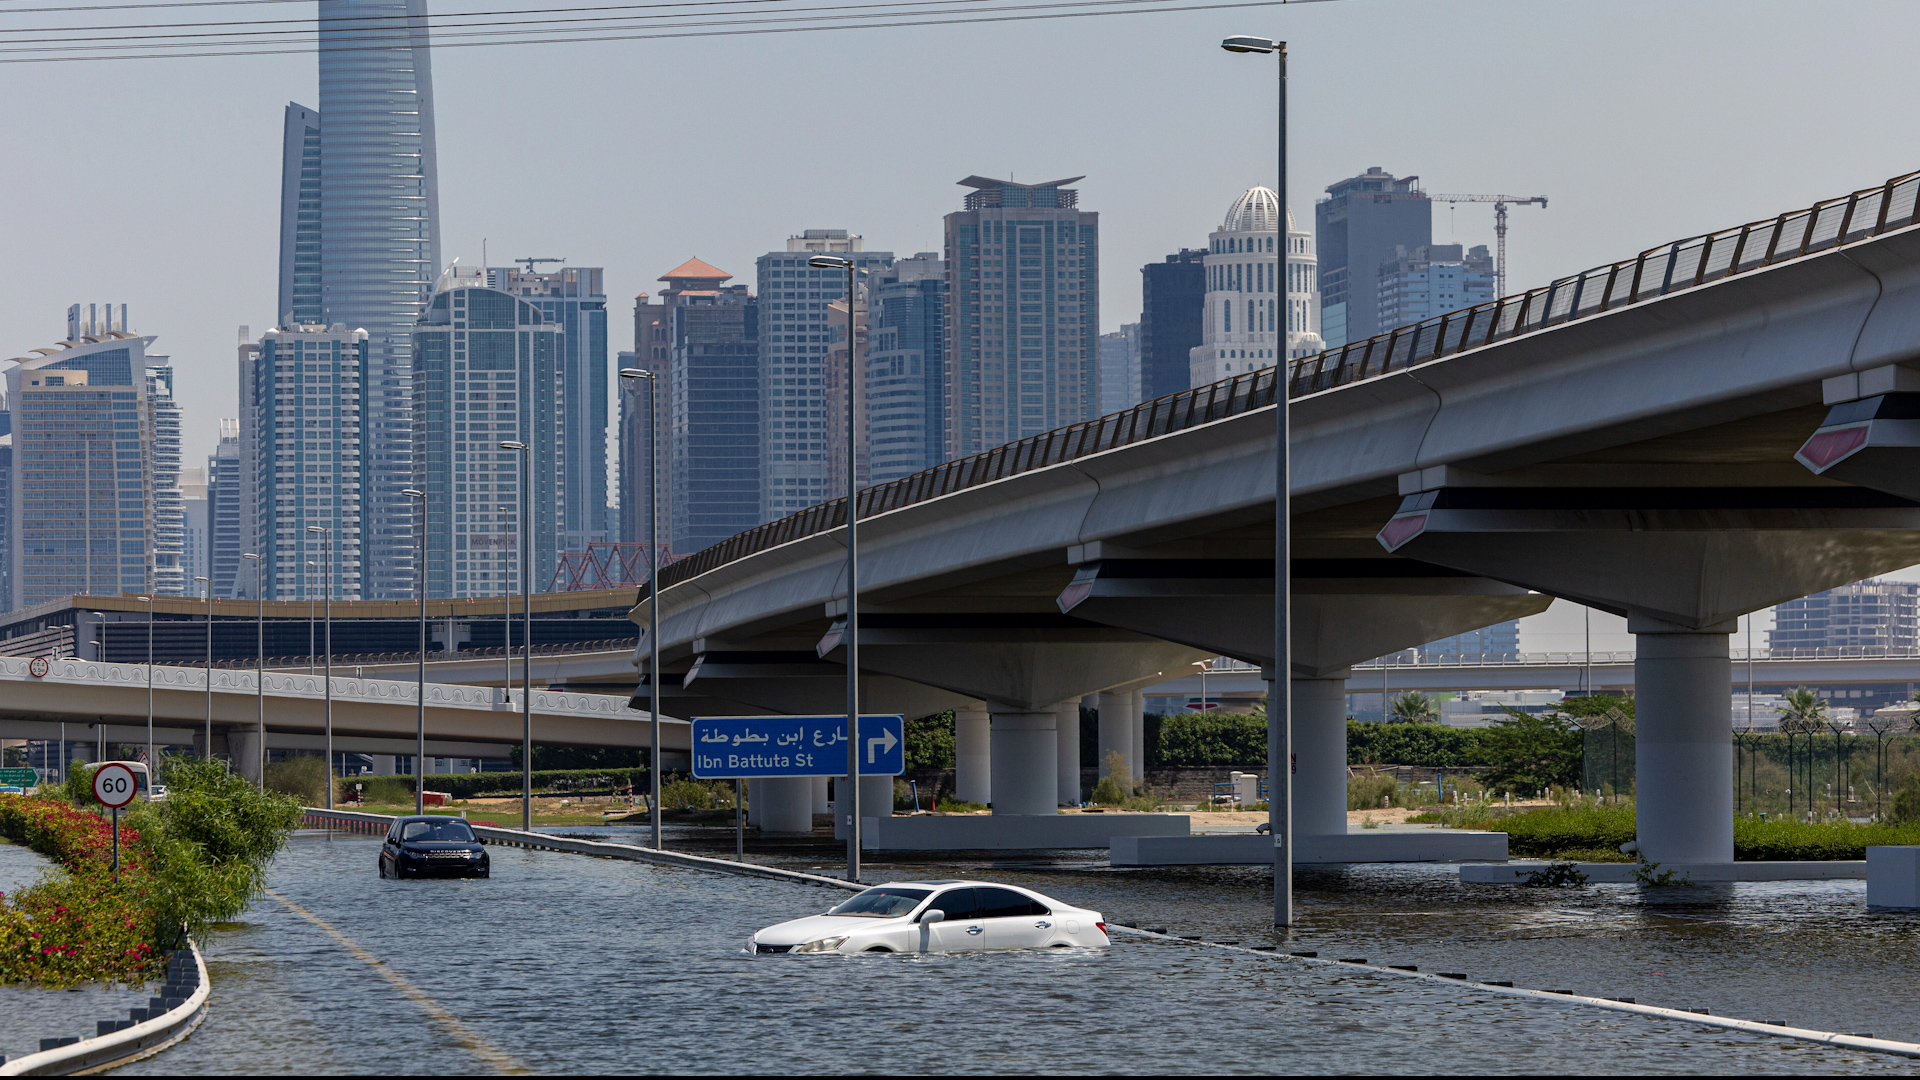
(506, 606)
(1279, 713)
(653, 592)
(852, 798)
(208, 755)
(308, 587)
(260, 661)
(526, 613)
(420, 690)
(153, 764)
(326, 578)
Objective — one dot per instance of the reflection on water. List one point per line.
(576, 964)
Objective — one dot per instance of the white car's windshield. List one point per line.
(883, 903)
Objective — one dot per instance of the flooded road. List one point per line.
(564, 963)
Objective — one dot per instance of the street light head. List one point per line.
(412, 494)
(144, 599)
(829, 262)
(310, 528)
(202, 579)
(635, 373)
(1245, 43)
(513, 446)
(250, 555)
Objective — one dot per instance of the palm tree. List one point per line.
(1803, 710)
(1414, 707)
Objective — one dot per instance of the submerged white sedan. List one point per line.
(938, 916)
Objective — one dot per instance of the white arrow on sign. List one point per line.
(885, 743)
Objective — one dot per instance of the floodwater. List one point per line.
(562, 963)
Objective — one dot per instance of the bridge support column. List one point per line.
(383, 764)
(1683, 769)
(1066, 750)
(1320, 756)
(782, 804)
(876, 800)
(972, 754)
(1116, 731)
(1025, 776)
(1137, 733)
(245, 746)
(817, 785)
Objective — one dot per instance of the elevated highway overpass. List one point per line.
(108, 703)
(1684, 436)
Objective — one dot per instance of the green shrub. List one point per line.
(955, 806)
(1371, 743)
(386, 790)
(304, 778)
(1210, 739)
(1906, 802)
(1369, 792)
(930, 742)
(682, 792)
(1528, 752)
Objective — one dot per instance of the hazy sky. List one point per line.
(155, 182)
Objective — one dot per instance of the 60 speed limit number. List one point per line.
(113, 785)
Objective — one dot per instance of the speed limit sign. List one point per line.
(113, 785)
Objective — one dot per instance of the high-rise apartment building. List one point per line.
(195, 532)
(487, 370)
(1023, 285)
(1172, 300)
(1433, 280)
(1360, 224)
(226, 516)
(168, 540)
(299, 218)
(1501, 641)
(905, 367)
(1302, 281)
(1241, 324)
(835, 390)
(301, 464)
(1119, 373)
(87, 470)
(712, 414)
(1871, 616)
(6, 516)
(690, 282)
(793, 347)
(379, 237)
(574, 299)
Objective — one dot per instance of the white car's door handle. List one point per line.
(1043, 924)
(973, 929)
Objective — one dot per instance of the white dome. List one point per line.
(1257, 210)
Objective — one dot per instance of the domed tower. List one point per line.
(1249, 321)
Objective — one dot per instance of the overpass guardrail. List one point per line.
(1656, 272)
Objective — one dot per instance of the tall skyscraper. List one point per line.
(196, 535)
(1242, 321)
(1024, 283)
(905, 367)
(652, 346)
(1302, 280)
(487, 370)
(87, 471)
(299, 218)
(574, 298)
(1172, 300)
(1433, 280)
(6, 517)
(833, 379)
(168, 540)
(1119, 375)
(379, 238)
(712, 416)
(301, 464)
(1358, 227)
(793, 347)
(225, 516)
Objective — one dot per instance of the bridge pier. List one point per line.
(1117, 721)
(1683, 726)
(1025, 756)
(783, 804)
(1320, 755)
(245, 748)
(972, 754)
(1066, 750)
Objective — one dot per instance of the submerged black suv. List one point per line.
(433, 847)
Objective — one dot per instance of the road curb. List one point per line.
(129, 1044)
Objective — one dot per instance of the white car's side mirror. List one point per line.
(934, 916)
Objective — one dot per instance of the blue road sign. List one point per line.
(725, 747)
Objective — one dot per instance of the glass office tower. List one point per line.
(379, 238)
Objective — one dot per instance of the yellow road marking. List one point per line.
(500, 1060)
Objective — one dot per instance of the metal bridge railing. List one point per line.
(1656, 272)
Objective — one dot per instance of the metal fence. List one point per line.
(1656, 272)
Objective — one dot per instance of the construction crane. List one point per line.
(1500, 204)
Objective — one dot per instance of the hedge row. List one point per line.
(468, 785)
(82, 926)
